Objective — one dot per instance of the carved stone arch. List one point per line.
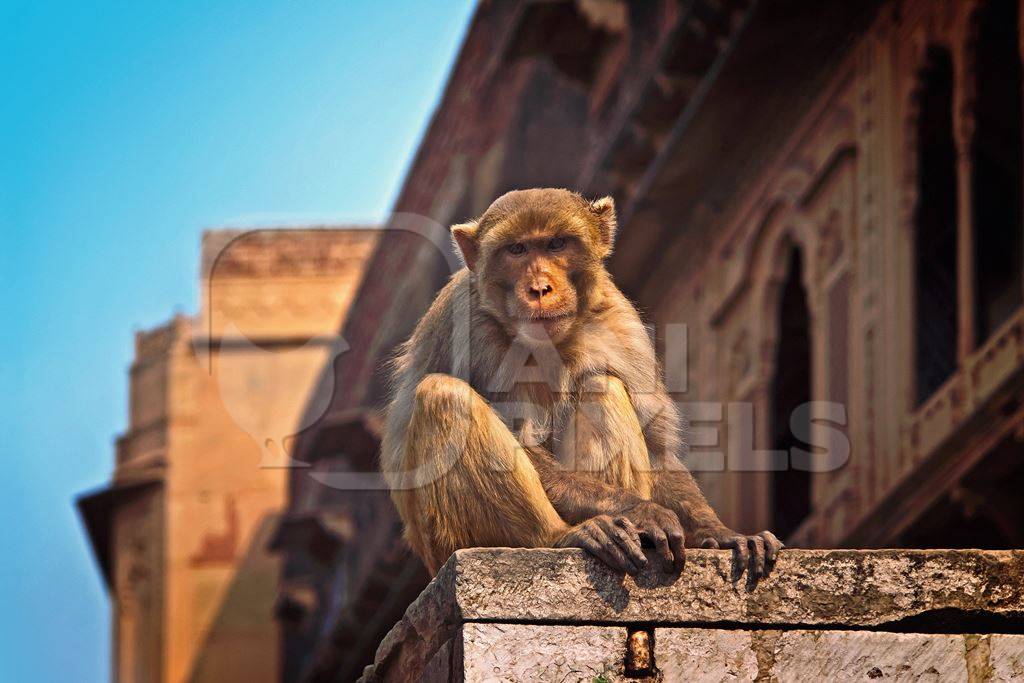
(763, 259)
(775, 211)
(833, 232)
(785, 196)
(793, 182)
(771, 277)
(772, 210)
(739, 260)
(784, 296)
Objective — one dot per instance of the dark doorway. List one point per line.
(791, 388)
(935, 233)
(997, 177)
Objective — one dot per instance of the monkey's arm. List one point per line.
(575, 496)
(675, 488)
(578, 498)
(604, 444)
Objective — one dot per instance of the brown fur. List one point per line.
(560, 417)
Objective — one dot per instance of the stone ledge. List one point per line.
(926, 591)
(819, 587)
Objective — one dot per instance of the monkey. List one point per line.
(547, 422)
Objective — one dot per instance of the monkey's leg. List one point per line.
(477, 486)
(605, 438)
(605, 442)
(675, 488)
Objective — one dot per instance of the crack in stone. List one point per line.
(764, 645)
(978, 652)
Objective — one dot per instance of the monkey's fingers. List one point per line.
(677, 541)
(610, 553)
(772, 546)
(655, 535)
(627, 538)
(628, 526)
(757, 554)
(740, 555)
(592, 539)
(600, 544)
(710, 544)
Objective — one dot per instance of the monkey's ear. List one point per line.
(464, 235)
(604, 209)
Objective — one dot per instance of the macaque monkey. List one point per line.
(528, 409)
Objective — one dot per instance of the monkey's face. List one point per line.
(537, 255)
(532, 283)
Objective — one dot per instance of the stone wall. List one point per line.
(538, 615)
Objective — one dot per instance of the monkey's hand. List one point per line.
(613, 540)
(754, 553)
(660, 527)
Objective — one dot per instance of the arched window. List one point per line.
(996, 177)
(791, 388)
(935, 231)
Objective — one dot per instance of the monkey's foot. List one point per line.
(754, 554)
(613, 540)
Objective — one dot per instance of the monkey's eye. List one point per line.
(556, 244)
(516, 249)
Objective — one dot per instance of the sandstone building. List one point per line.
(182, 533)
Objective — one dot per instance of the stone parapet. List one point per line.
(512, 614)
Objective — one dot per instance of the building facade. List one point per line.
(183, 532)
(818, 202)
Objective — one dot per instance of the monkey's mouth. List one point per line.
(549, 317)
(548, 321)
(544, 327)
(522, 315)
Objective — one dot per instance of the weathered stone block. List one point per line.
(527, 652)
(705, 654)
(1006, 655)
(821, 587)
(864, 656)
(513, 614)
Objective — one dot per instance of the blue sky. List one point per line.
(128, 129)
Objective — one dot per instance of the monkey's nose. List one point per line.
(539, 291)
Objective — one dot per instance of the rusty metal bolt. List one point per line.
(639, 658)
